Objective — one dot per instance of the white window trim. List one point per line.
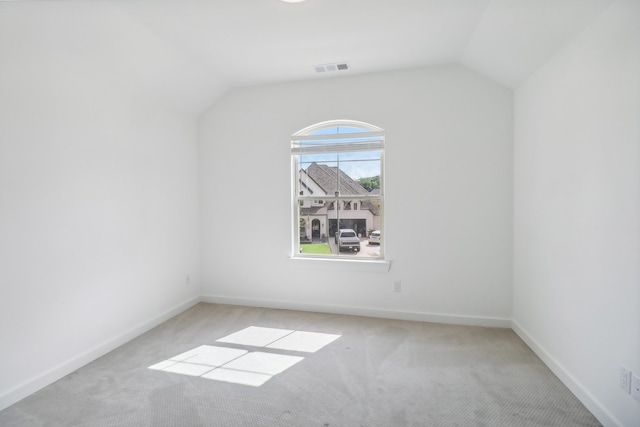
(343, 264)
(373, 140)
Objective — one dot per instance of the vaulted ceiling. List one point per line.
(188, 52)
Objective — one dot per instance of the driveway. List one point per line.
(366, 250)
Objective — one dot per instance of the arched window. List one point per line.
(338, 169)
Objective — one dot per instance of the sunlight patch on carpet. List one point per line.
(241, 366)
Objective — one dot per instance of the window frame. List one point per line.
(370, 138)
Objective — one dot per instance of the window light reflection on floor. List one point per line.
(242, 366)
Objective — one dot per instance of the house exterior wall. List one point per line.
(325, 216)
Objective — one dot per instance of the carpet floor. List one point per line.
(368, 372)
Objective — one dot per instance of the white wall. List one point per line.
(577, 212)
(448, 205)
(98, 212)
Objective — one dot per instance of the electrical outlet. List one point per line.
(635, 387)
(625, 379)
(397, 286)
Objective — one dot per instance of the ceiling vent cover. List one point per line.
(338, 66)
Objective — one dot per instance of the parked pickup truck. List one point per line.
(346, 238)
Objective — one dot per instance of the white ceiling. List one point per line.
(188, 52)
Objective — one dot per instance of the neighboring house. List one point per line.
(321, 215)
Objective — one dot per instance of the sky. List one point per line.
(360, 164)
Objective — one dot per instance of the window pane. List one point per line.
(322, 229)
(343, 172)
(356, 169)
(317, 174)
(313, 224)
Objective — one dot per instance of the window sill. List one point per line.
(342, 264)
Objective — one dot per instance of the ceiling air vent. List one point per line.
(323, 68)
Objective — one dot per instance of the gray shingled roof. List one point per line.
(313, 210)
(327, 178)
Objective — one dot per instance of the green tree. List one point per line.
(370, 183)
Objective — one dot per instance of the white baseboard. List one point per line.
(452, 319)
(54, 374)
(587, 399)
